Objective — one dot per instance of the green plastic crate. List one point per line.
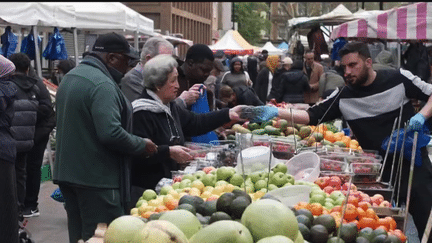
(46, 173)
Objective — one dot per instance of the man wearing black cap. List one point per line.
(94, 138)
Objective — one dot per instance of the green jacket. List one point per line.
(92, 143)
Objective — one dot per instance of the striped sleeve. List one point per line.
(415, 87)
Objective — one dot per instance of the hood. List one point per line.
(234, 60)
(23, 81)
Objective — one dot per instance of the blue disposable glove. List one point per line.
(264, 113)
(416, 122)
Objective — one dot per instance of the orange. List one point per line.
(350, 212)
(339, 135)
(370, 213)
(336, 209)
(161, 208)
(315, 208)
(360, 213)
(354, 142)
(172, 204)
(353, 200)
(391, 223)
(325, 211)
(400, 235)
(329, 136)
(346, 140)
(300, 205)
(367, 222)
(147, 214)
(352, 146)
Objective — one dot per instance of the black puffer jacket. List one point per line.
(26, 107)
(7, 142)
(292, 85)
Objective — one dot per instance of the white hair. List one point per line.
(157, 69)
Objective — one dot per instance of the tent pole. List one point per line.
(75, 37)
(37, 57)
(399, 53)
(136, 41)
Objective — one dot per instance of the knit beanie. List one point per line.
(6, 67)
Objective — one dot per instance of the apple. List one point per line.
(339, 201)
(287, 184)
(317, 198)
(279, 179)
(264, 175)
(328, 189)
(250, 189)
(176, 185)
(209, 180)
(199, 174)
(213, 172)
(328, 205)
(260, 184)
(385, 203)
(321, 182)
(280, 167)
(165, 189)
(198, 184)
(208, 169)
(189, 176)
(290, 179)
(185, 183)
(220, 183)
(272, 187)
(149, 194)
(224, 173)
(254, 176)
(236, 179)
(336, 195)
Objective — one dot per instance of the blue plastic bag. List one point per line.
(56, 48)
(9, 42)
(57, 196)
(201, 106)
(28, 45)
(422, 140)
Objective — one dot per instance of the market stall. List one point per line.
(233, 43)
(96, 17)
(272, 50)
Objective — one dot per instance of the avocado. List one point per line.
(379, 238)
(219, 216)
(208, 208)
(202, 219)
(238, 206)
(187, 207)
(392, 239)
(239, 193)
(303, 219)
(270, 130)
(327, 220)
(305, 212)
(379, 232)
(348, 232)
(253, 126)
(319, 234)
(305, 231)
(189, 199)
(267, 123)
(367, 233)
(259, 131)
(223, 202)
(155, 216)
(335, 239)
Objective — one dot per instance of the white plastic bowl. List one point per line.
(291, 195)
(304, 166)
(255, 159)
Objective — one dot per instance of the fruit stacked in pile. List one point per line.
(322, 135)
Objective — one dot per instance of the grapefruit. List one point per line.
(123, 229)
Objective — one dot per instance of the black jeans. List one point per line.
(20, 170)
(8, 203)
(33, 169)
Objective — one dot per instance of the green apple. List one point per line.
(287, 184)
(328, 199)
(250, 189)
(165, 189)
(224, 173)
(271, 174)
(317, 198)
(185, 183)
(279, 179)
(199, 174)
(189, 176)
(178, 190)
(209, 180)
(255, 176)
(236, 179)
(339, 201)
(263, 175)
(280, 167)
(328, 205)
(176, 185)
(272, 187)
(149, 194)
(260, 184)
(336, 195)
(290, 178)
(139, 203)
(299, 183)
(220, 183)
(213, 172)
(198, 184)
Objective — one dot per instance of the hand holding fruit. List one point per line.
(180, 154)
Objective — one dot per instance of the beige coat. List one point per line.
(312, 96)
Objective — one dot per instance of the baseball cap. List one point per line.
(114, 43)
(287, 60)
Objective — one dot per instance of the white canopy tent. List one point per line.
(272, 50)
(97, 17)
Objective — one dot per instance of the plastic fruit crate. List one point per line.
(332, 165)
(365, 172)
(360, 159)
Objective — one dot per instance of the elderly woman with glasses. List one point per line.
(158, 118)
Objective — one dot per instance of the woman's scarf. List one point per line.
(272, 62)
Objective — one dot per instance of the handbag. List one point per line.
(28, 45)
(201, 106)
(56, 48)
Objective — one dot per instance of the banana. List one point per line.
(160, 231)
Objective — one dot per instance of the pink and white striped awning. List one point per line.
(411, 22)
